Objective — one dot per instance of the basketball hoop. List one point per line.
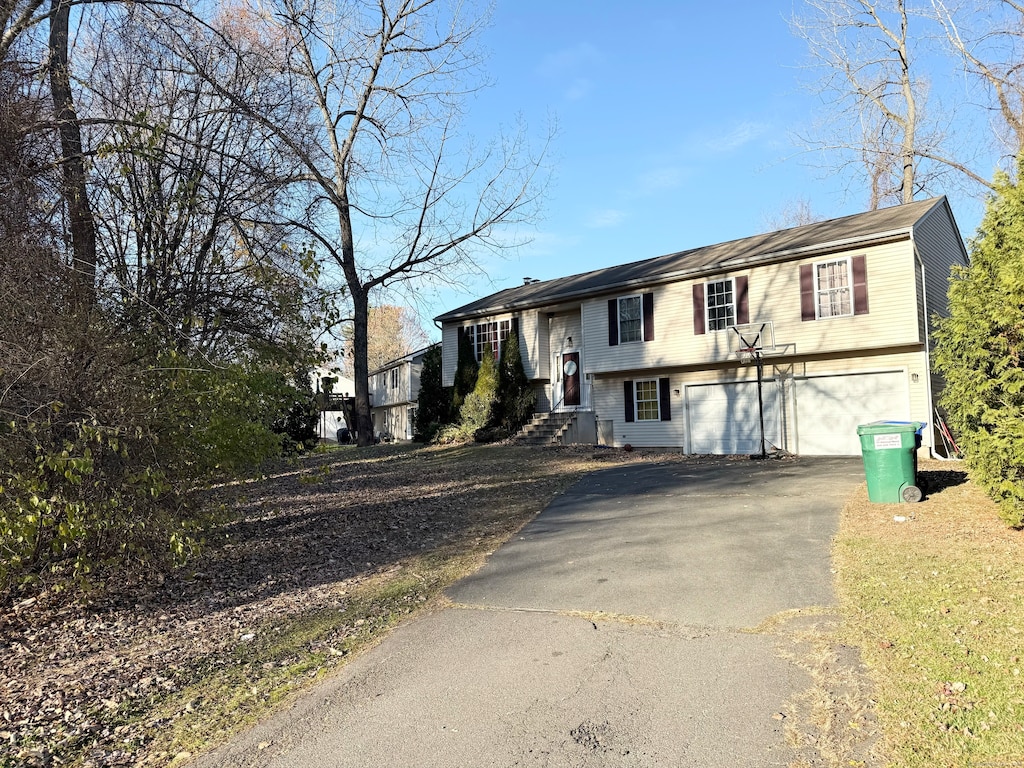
(747, 355)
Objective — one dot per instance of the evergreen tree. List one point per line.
(516, 399)
(434, 404)
(477, 410)
(980, 349)
(465, 371)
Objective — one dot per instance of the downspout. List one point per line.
(927, 351)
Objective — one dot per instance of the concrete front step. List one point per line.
(545, 429)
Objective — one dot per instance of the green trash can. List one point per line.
(889, 449)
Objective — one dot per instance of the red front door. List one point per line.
(571, 378)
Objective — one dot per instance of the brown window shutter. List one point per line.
(613, 322)
(514, 327)
(627, 391)
(742, 305)
(664, 401)
(807, 292)
(698, 309)
(860, 285)
(648, 307)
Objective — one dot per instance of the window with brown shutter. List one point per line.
(833, 288)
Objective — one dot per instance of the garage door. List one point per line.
(723, 418)
(829, 409)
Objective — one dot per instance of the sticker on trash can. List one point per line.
(888, 441)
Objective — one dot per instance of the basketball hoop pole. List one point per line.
(760, 402)
(755, 349)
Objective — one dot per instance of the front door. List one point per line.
(571, 378)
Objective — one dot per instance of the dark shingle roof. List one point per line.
(793, 243)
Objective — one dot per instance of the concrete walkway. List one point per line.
(648, 617)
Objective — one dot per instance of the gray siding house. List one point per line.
(394, 391)
(648, 353)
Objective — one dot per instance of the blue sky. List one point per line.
(675, 130)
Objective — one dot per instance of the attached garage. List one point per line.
(830, 408)
(724, 419)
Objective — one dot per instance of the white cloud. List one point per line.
(609, 217)
(657, 180)
(741, 134)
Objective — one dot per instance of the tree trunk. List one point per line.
(909, 145)
(74, 192)
(360, 321)
(364, 419)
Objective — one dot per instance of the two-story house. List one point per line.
(394, 391)
(648, 354)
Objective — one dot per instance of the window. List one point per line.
(832, 286)
(647, 400)
(631, 319)
(489, 337)
(721, 304)
(394, 378)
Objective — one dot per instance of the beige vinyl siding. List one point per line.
(561, 326)
(609, 406)
(607, 394)
(533, 344)
(449, 354)
(773, 294)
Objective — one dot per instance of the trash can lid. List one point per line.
(890, 427)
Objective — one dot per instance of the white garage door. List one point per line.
(830, 408)
(723, 418)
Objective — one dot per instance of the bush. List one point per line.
(103, 452)
(297, 424)
(980, 349)
(477, 411)
(516, 398)
(434, 404)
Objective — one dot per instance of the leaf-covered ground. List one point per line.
(325, 554)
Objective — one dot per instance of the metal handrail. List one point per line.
(567, 416)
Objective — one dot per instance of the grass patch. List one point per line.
(936, 604)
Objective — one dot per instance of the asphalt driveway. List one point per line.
(653, 615)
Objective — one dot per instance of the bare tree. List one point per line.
(394, 191)
(877, 120)
(17, 18)
(186, 191)
(392, 331)
(793, 213)
(75, 189)
(987, 36)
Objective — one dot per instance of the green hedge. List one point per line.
(980, 348)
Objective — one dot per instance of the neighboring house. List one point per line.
(645, 353)
(394, 391)
(332, 418)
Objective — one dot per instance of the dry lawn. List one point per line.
(936, 603)
(325, 555)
